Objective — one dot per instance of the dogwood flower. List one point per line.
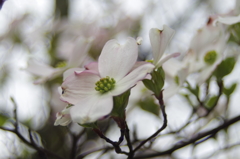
(206, 51)
(91, 92)
(159, 41)
(76, 59)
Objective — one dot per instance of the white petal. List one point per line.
(39, 69)
(228, 20)
(71, 71)
(159, 41)
(117, 60)
(79, 52)
(171, 67)
(160, 62)
(79, 86)
(62, 119)
(132, 78)
(91, 109)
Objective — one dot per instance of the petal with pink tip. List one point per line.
(92, 108)
(92, 66)
(117, 60)
(159, 40)
(71, 71)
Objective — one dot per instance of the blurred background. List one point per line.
(46, 31)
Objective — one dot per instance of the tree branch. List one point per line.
(193, 139)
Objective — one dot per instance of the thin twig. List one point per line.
(162, 106)
(192, 140)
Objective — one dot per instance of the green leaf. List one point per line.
(119, 104)
(89, 125)
(225, 67)
(234, 33)
(3, 119)
(149, 105)
(230, 90)
(157, 81)
(211, 102)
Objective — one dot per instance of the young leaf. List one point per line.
(119, 104)
(149, 105)
(230, 90)
(225, 67)
(3, 119)
(211, 102)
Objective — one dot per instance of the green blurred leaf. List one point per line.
(225, 67)
(234, 33)
(149, 105)
(230, 90)
(211, 102)
(3, 119)
(194, 91)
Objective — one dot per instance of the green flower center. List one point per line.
(105, 85)
(150, 61)
(210, 57)
(61, 64)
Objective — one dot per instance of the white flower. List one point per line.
(76, 59)
(206, 51)
(91, 92)
(159, 41)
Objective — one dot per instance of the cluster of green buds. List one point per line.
(105, 84)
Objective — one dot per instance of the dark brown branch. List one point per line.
(114, 144)
(31, 144)
(162, 106)
(43, 152)
(127, 136)
(193, 139)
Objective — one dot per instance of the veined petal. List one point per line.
(159, 40)
(71, 71)
(91, 109)
(132, 78)
(79, 85)
(117, 60)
